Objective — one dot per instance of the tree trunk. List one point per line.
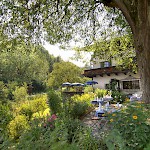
(137, 13)
(142, 46)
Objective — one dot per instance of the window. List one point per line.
(131, 84)
(105, 64)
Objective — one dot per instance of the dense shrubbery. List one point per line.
(80, 104)
(118, 97)
(20, 93)
(5, 118)
(130, 128)
(100, 93)
(3, 92)
(31, 125)
(29, 107)
(54, 101)
(17, 126)
(68, 134)
(24, 112)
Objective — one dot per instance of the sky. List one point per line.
(65, 54)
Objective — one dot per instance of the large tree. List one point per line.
(23, 63)
(61, 20)
(137, 13)
(65, 72)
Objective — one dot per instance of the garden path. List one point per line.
(97, 125)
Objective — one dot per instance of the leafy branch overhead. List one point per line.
(120, 49)
(55, 21)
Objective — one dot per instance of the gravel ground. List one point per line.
(97, 125)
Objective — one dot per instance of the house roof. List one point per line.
(102, 71)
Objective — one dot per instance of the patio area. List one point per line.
(98, 122)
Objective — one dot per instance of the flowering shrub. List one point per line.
(88, 89)
(130, 127)
(118, 97)
(83, 98)
(50, 122)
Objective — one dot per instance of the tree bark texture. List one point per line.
(137, 13)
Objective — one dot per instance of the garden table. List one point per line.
(101, 101)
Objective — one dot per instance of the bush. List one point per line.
(5, 118)
(78, 109)
(11, 88)
(55, 102)
(130, 128)
(88, 89)
(86, 141)
(3, 92)
(118, 97)
(38, 86)
(86, 98)
(5, 115)
(37, 137)
(37, 105)
(100, 93)
(20, 93)
(68, 128)
(41, 114)
(80, 104)
(18, 126)
(72, 134)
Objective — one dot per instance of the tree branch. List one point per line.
(126, 12)
(120, 5)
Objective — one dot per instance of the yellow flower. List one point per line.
(111, 120)
(134, 117)
(113, 114)
(103, 114)
(138, 106)
(127, 99)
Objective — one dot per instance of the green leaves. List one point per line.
(58, 21)
(64, 72)
(131, 124)
(23, 63)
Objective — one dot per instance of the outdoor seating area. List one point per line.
(136, 96)
(105, 107)
(98, 119)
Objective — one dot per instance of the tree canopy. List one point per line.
(24, 63)
(119, 48)
(58, 21)
(65, 72)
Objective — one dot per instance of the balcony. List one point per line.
(104, 71)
